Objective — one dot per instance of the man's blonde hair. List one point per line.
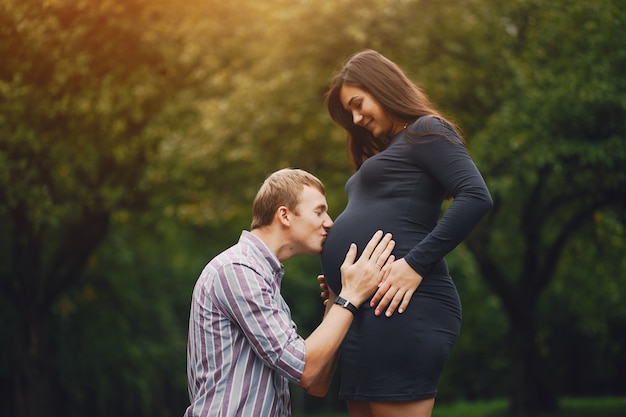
(282, 188)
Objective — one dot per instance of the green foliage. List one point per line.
(140, 333)
(79, 86)
(479, 362)
(134, 134)
(591, 320)
(571, 407)
(551, 154)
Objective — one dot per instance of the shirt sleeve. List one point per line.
(445, 158)
(247, 298)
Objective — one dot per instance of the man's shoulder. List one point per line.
(248, 246)
(236, 254)
(241, 254)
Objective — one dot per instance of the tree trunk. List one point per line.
(31, 369)
(37, 279)
(531, 389)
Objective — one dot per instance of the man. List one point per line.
(243, 349)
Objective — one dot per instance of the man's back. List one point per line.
(243, 348)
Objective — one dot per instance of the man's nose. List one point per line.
(328, 223)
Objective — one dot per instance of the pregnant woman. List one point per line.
(408, 160)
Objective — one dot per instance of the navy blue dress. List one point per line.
(401, 191)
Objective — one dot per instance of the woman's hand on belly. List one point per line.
(397, 288)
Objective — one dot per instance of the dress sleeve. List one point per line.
(445, 158)
(264, 318)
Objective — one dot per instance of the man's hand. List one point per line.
(360, 279)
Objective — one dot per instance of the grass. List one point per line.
(570, 407)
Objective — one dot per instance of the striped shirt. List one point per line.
(243, 348)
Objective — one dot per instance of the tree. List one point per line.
(552, 155)
(80, 84)
(490, 66)
(133, 136)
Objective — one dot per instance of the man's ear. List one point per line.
(284, 216)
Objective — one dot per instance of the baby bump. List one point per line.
(345, 230)
(358, 226)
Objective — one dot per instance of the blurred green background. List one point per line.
(134, 134)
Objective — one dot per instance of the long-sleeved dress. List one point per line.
(401, 190)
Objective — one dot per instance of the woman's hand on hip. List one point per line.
(396, 289)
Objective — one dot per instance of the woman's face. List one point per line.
(368, 112)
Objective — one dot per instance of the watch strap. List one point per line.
(346, 304)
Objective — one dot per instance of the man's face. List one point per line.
(311, 222)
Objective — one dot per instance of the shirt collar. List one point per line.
(253, 241)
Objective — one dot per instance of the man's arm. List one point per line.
(359, 281)
(322, 350)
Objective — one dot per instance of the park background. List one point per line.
(134, 134)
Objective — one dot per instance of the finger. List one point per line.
(405, 301)
(394, 303)
(383, 250)
(386, 267)
(321, 279)
(383, 287)
(385, 270)
(388, 297)
(383, 257)
(383, 278)
(350, 256)
(373, 244)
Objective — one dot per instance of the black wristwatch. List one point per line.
(346, 304)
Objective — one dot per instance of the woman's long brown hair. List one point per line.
(387, 83)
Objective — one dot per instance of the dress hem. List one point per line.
(387, 398)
